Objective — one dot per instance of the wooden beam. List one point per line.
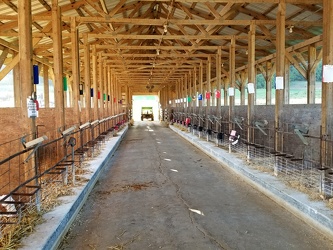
(327, 88)
(251, 79)
(9, 67)
(243, 1)
(161, 22)
(232, 72)
(58, 66)
(296, 64)
(280, 70)
(3, 56)
(75, 69)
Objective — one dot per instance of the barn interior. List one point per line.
(254, 77)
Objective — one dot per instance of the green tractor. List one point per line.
(147, 113)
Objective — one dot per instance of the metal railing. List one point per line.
(33, 177)
(298, 165)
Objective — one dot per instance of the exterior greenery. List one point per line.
(294, 74)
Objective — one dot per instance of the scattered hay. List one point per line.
(50, 201)
(117, 247)
(12, 234)
(81, 178)
(15, 232)
(126, 188)
(300, 184)
(181, 128)
(122, 245)
(330, 203)
(165, 124)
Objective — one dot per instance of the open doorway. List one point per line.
(143, 104)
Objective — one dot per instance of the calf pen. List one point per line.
(298, 164)
(48, 167)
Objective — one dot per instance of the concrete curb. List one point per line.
(314, 213)
(57, 222)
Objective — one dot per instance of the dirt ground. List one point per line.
(160, 192)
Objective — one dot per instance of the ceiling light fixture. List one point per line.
(291, 28)
(165, 28)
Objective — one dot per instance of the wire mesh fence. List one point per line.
(297, 164)
(32, 178)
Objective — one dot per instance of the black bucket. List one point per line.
(220, 136)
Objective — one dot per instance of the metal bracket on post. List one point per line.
(300, 131)
(34, 143)
(261, 125)
(238, 121)
(72, 143)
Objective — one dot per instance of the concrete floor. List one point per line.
(160, 192)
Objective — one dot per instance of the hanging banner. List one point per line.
(32, 108)
(36, 74)
(81, 89)
(279, 82)
(64, 79)
(218, 94)
(250, 88)
(231, 91)
(189, 99)
(207, 95)
(327, 73)
(200, 97)
(91, 92)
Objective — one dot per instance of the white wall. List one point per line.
(145, 101)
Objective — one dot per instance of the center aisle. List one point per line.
(160, 192)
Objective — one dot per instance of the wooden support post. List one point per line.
(218, 86)
(311, 74)
(195, 91)
(268, 78)
(94, 83)
(280, 70)
(58, 66)
(225, 94)
(75, 69)
(182, 93)
(100, 87)
(208, 89)
(189, 93)
(109, 100)
(17, 87)
(287, 81)
(186, 94)
(251, 79)
(105, 93)
(87, 82)
(177, 97)
(327, 88)
(232, 65)
(25, 62)
(243, 82)
(113, 93)
(202, 94)
(46, 85)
